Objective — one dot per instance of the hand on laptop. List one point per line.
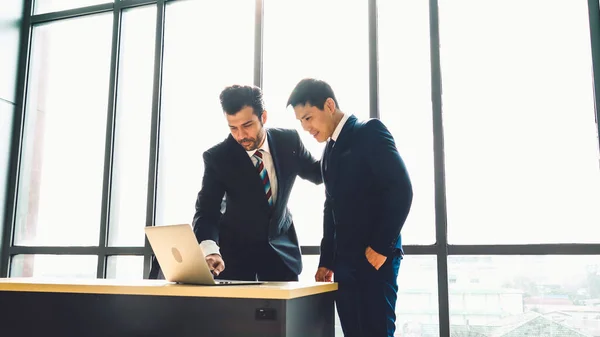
(215, 263)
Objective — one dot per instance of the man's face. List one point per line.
(319, 123)
(247, 128)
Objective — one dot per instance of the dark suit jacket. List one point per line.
(368, 193)
(248, 218)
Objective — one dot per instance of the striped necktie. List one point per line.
(264, 176)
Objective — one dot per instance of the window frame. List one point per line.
(441, 249)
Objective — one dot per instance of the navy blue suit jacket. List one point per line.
(368, 193)
(230, 178)
(247, 217)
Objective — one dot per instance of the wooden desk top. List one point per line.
(268, 290)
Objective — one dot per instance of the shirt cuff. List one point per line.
(209, 247)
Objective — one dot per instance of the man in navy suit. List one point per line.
(252, 173)
(368, 198)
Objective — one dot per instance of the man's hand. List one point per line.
(375, 259)
(215, 263)
(324, 275)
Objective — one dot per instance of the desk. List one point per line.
(149, 308)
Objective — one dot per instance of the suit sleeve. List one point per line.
(392, 180)
(327, 243)
(310, 168)
(208, 203)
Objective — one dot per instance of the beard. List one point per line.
(251, 144)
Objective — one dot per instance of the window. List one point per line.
(125, 267)
(417, 304)
(6, 122)
(12, 12)
(201, 58)
(521, 142)
(457, 301)
(44, 6)
(296, 47)
(405, 104)
(132, 128)
(51, 266)
(518, 293)
(60, 189)
(10, 24)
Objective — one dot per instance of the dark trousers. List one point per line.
(259, 262)
(366, 297)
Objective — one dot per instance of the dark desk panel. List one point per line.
(64, 313)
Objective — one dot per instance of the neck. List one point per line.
(263, 139)
(337, 118)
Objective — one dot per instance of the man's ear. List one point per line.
(330, 105)
(263, 118)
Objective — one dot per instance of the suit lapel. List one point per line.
(342, 143)
(274, 147)
(247, 170)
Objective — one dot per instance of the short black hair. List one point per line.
(236, 97)
(312, 91)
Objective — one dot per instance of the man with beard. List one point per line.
(252, 172)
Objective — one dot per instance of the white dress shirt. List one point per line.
(268, 162)
(209, 246)
(339, 127)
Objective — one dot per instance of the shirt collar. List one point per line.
(264, 147)
(339, 127)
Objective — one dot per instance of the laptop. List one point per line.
(181, 258)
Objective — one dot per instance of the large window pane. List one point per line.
(61, 266)
(201, 57)
(417, 304)
(405, 104)
(6, 123)
(44, 6)
(335, 50)
(10, 29)
(417, 307)
(125, 267)
(524, 295)
(60, 185)
(132, 138)
(521, 140)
